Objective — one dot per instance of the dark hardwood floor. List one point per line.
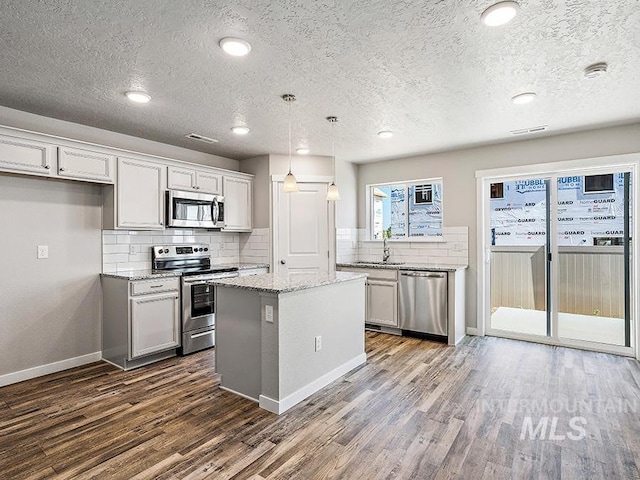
(416, 410)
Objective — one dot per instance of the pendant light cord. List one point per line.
(333, 148)
(289, 137)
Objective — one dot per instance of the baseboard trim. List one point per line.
(49, 368)
(238, 393)
(281, 406)
(473, 331)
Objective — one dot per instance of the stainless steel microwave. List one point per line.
(194, 210)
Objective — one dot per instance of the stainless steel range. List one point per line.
(198, 292)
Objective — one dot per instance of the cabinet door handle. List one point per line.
(156, 286)
(47, 167)
(61, 169)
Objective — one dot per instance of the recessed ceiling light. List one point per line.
(385, 134)
(302, 151)
(499, 13)
(235, 46)
(240, 130)
(138, 97)
(596, 70)
(523, 98)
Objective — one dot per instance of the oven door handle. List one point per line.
(194, 283)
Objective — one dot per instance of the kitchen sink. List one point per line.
(363, 262)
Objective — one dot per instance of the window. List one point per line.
(598, 183)
(406, 210)
(497, 190)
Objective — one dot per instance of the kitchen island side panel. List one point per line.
(238, 349)
(336, 313)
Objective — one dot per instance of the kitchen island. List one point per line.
(281, 338)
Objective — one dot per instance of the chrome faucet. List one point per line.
(385, 250)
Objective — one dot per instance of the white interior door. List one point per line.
(303, 224)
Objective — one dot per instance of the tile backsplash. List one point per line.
(255, 246)
(353, 245)
(131, 250)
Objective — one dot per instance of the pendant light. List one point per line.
(290, 184)
(332, 191)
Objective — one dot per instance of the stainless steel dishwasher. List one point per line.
(423, 302)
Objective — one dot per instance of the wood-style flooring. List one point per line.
(416, 410)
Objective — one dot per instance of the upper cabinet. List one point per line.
(25, 156)
(137, 200)
(85, 165)
(199, 180)
(238, 198)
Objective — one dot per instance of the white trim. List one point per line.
(473, 331)
(586, 164)
(304, 178)
(563, 342)
(609, 164)
(238, 393)
(281, 406)
(49, 368)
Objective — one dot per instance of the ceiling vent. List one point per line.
(527, 131)
(201, 138)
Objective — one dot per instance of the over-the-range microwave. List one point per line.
(194, 210)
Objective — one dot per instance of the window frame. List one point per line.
(369, 205)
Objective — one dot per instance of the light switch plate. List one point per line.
(318, 343)
(268, 313)
(43, 251)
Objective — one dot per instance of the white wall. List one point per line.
(50, 310)
(458, 168)
(51, 126)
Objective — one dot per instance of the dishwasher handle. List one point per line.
(427, 275)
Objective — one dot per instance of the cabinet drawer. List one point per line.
(390, 274)
(145, 287)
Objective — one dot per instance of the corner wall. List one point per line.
(50, 309)
(457, 168)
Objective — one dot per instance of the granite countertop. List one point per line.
(432, 267)
(152, 274)
(284, 283)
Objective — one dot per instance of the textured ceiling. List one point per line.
(430, 71)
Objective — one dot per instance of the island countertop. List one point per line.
(284, 283)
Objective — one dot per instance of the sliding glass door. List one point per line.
(593, 268)
(560, 258)
(519, 222)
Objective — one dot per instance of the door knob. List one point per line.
(283, 262)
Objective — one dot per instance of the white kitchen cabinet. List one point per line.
(22, 155)
(209, 182)
(137, 200)
(188, 179)
(81, 164)
(382, 295)
(141, 320)
(238, 200)
(155, 323)
(382, 303)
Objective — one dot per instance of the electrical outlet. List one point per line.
(134, 249)
(457, 247)
(43, 251)
(268, 313)
(318, 343)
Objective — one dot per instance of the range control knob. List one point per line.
(166, 250)
(206, 249)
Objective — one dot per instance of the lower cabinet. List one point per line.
(141, 320)
(382, 302)
(155, 323)
(382, 295)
